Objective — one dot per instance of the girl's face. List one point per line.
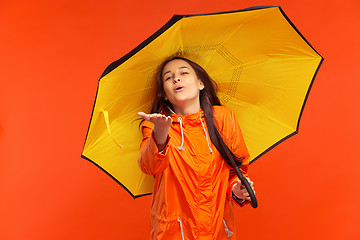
(181, 85)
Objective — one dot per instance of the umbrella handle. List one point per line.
(244, 181)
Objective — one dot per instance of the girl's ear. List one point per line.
(165, 97)
(201, 85)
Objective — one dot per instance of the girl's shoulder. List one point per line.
(223, 116)
(221, 111)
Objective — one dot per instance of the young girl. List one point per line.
(184, 143)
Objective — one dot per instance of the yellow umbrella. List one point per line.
(263, 66)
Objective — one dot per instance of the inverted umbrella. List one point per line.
(263, 66)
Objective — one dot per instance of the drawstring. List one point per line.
(182, 232)
(171, 110)
(207, 139)
(230, 233)
(182, 134)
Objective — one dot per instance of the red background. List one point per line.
(52, 54)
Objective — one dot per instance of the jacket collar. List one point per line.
(190, 118)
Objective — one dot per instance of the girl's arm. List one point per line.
(153, 157)
(235, 141)
(161, 127)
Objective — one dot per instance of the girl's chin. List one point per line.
(185, 105)
(181, 100)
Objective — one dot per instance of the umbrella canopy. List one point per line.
(263, 66)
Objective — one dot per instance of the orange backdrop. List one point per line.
(52, 54)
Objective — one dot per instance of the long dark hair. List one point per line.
(208, 98)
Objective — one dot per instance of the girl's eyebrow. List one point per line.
(183, 67)
(178, 69)
(166, 73)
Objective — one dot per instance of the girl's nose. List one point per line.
(176, 79)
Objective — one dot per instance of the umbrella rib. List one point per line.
(266, 114)
(128, 114)
(287, 57)
(153, 53)
(220, 45)
(119, 98)
(180, 36)
(139, 182)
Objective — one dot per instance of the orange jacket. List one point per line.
(192, 190)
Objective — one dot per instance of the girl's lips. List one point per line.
(178, 88)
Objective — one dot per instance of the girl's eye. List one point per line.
(167, 78)
(183, 73)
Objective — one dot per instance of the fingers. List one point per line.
(156, 118)
(144, 115)
(243, 191)
(151, 116)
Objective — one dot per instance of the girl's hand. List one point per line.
(159, 120)
(240, 191)
(161, 127)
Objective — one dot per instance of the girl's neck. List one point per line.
(186, 110)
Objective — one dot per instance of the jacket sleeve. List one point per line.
(151, 161)
(237, 145)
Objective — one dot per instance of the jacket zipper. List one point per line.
(230, 233)
(182, 232)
